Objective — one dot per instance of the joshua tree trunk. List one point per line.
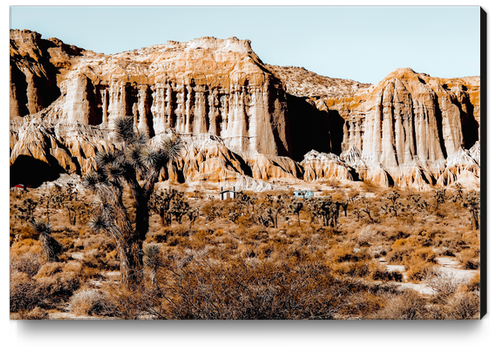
(476, 224)
(137, 159)
(131, 265)
(49, 250)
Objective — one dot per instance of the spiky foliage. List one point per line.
(51, 247)
(179, 207)
(27, 209)
(458, 194)
(295, 207)
(167, 203)
(134, 165)
(326, 209)
(472, 202)
(440, 196)
(276, 206)
(366, 210)
(192, 214)
(391, 204)
(418, 202)
(152, 261)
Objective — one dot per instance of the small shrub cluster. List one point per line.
(261, 256)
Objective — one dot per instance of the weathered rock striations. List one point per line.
(404, 127)
(239, 117)
(325, 166)
(206, 85)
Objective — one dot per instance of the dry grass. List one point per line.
(241, 269)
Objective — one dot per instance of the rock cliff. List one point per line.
(239, 117)
(206, 85)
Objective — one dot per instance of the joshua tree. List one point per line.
(458, 194)
(419, 203)
(366, 209)
(233, 216)
(326, 209)
(295, 207)
(277, 206)
(357, 212)
(264, 215)
(28, 208)
(345, 205)
(137, 166)
(245, 203)
(152, 261)
(192, 214)
(160, 204)
(472, 203)
(440, 196)
(51, 247)
(178, 206)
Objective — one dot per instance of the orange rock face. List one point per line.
(239, 116)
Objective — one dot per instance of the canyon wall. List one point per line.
(207, 85)
(240, 117)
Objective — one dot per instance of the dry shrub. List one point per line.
(99, 242)
(340, 269)
(57, 281)
(326, 232)
(370, 187)
(22, 232)
(469, 259)
(219, 233)
(420, 264)
(49, 269)
(451, 244)
(26, 245)
(365, 304)
(407, 305)
(87, 302)
(201, 239)
(464, 305)
(405, 250)
(393, 235)
(380, 272)
(418, 271)
(157, 236)
(58, 287)
(36, 313)
(366, 235)
(359, 269)
(256, 289)
(247, 251)
(96, 259)
(118, 302)
(245, 221)
(473, 284)
(28, 263)
(425, 254)
(343, 253)
(444, 282)
(23, 292)
(265, 250)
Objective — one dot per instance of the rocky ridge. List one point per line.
(240, 118)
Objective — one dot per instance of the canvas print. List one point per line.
(305, 163)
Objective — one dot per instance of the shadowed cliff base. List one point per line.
(212, 86)
(32, 172)
(311, 128)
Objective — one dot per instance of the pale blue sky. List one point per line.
(359, 43)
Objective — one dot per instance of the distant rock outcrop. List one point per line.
(239, 117)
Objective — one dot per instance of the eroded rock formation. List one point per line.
(239, 117)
